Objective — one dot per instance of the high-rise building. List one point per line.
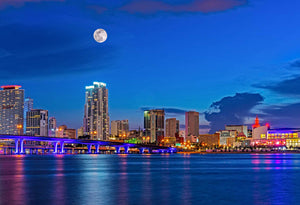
(191, 126)
(28, 105)
(96, 117)
(172, 127)
(52, 126)
(120, 128)
(37, 122)
(154, 124)
(11, 110)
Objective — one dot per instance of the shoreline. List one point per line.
(289, 152)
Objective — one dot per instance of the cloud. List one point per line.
(283, 115)
(167, 110)
(202, 6)
(295, 64)
(39, 51)
(232, 110)
(286, 87)
(17, 3)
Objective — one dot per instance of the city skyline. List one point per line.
(204, 53)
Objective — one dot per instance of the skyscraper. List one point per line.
(191, 125)
(28, 106)
(96, 117)
(154, 124)
(172, 127)
(37, 122)
(120, 128)
(11, 109)
(52, 126)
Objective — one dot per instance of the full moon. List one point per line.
(100, 35)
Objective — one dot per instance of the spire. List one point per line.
(256, 123)
(256, 120)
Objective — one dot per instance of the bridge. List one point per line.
(57, 145)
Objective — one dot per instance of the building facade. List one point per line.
(11, 110)
(239, 128)
(172, 127)
(191, 126)
(120, 128)
(154, 124)
(209, 140)
(96, 117)
(80, 132)
(37, 122)
(28, 106)
(52, 126)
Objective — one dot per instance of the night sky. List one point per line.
(228, 59)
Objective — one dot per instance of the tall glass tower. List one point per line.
(96, 117)
(154, 124)
(11, 110)
(28, 106)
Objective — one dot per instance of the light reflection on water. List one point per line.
(150, 179)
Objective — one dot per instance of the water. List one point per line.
(151, 179)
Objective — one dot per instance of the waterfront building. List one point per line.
(52, 127)
(238, 128)
(260, 132)
(70, 133)
(28, 106)
(80, 132)
(64, 132)
(37, 122)
(230, 141)
(209, 140)
(240, 137)
(191, 126)
(11, 109)
(172, 127)
(120, 128)
(169, 141)
(96, 117)
(154, 124)
(225, 134)
(289, 137)
(249, 133)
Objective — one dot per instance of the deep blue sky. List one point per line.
(178, 55)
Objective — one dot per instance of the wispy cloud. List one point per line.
(285, 115)
(167, 110)
(17, 3)
(289, 86)
(203, 6)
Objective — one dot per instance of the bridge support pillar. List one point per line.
(89, 149)
(118, 149)
(62, 147)
(142, 150)
(97, 146)
(55, 147)
(16, 146)
(22, 150)
(126, 150)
